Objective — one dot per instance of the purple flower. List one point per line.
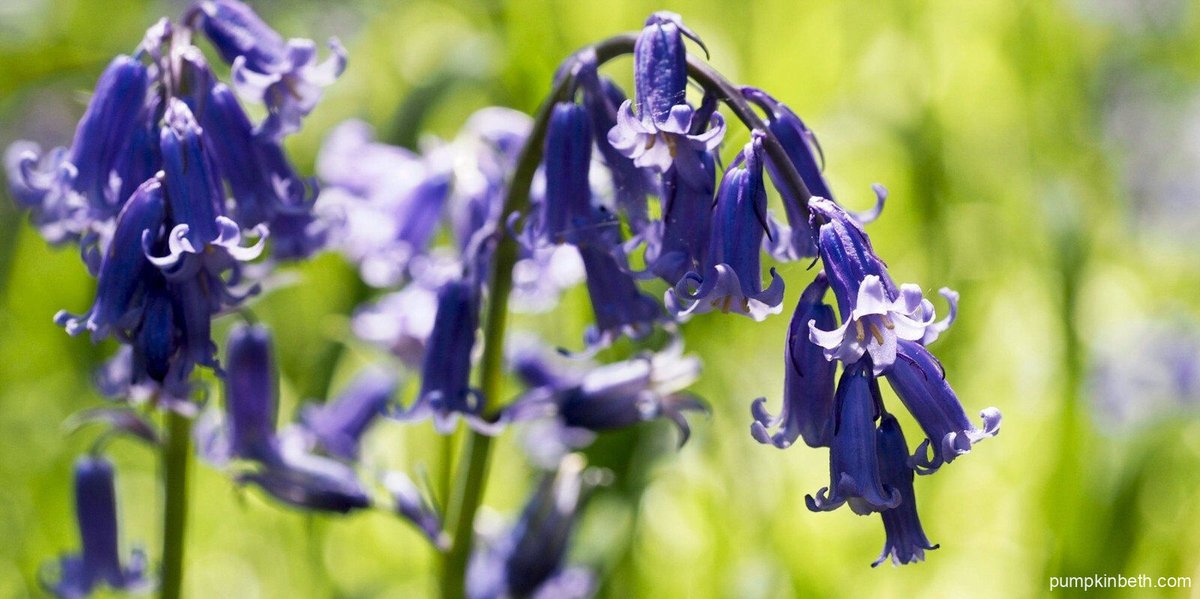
(70, 190)
(847, 254)
(567, 211)
(338, 426)
(585, 397)
(664, 123)
(527, 561)
(619, 306)
(919, 381)
(906, 541)
(445, 390)
(124, 267)
(284, 76)
(853, 458)
(808, 398)
(281, 466)
(732, 279)
(99, 562)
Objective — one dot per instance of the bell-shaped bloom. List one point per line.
(664, 122)
(265, 187)
(338, 426)
(99, 561)
(732, 279)
(876, 325)
(251, 402)
(605, 397)
(906, 541)
(631, 184)
(69, 190)
(808, 406)
(284, 76)
(124, 267)
(846, 251)
(415, 507)
(853, 458)
(919, 381)
(619, 306)
(528, 561)
(567, 205)
(445, 390)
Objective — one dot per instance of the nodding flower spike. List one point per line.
(919, 381)
(808, 406)
(339, 425)
(124, 267)
(732, 279)
(906, 541)
(853, 458)
(99, 562)
(567, 206)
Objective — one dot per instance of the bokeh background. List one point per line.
(1043, 159)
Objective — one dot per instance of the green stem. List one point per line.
(176, 452)
(472, 479)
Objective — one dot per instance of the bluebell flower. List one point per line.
(566, 210)
(919, 381)
(619, 306)
(124, 266)
(664, 122)
(596, 398)
(70, 190)
(284, 467)
(445, 390)
(631, 184)
(265, 187)
(906, 541)
(338, 426)
(808, 398)
(679, 242)
(847, 254)
(527, 561)
(284, 76)
(732, 277)
(99, 562)
(853, 458)
(415, 507)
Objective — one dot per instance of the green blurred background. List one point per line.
(1043, 159)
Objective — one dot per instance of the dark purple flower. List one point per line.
(906, 541)
(853, 458)
(251, 404)
(99, 562)
(284, 76)
(527, 561)
(70, 190)
(664, 122)
(732, 278)
(446, 371)
(124, 267)
(339, 425)
(605, 397)
(567, 210)
(919, 381)
(847, 254)
(619, 306)
(808, 406)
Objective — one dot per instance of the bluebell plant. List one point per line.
(180, 205)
